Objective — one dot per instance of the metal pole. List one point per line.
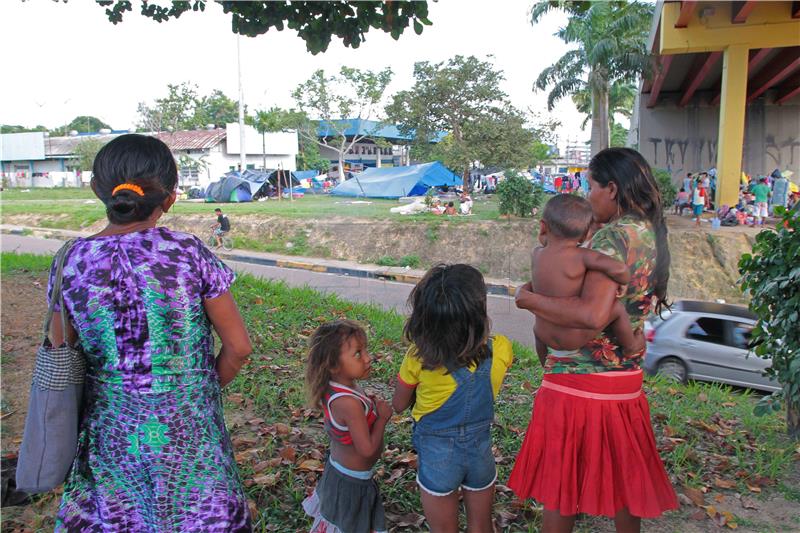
(242, 150)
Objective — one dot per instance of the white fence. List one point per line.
(46, 179)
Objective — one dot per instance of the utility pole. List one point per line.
(242, 150)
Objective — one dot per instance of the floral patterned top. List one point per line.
(631, 241)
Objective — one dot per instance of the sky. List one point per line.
(62, 60)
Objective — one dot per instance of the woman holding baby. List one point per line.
(590, 447)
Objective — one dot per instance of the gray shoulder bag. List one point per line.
(50, 441)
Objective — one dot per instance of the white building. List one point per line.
(35, 160)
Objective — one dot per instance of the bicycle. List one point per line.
(227, 242)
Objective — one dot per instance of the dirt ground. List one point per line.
(23, 297)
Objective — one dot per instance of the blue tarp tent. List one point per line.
(394, 182)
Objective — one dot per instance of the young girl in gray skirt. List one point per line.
(346, 499)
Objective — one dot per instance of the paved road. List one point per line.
(506, 318)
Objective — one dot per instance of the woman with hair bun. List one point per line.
(590, 447)
(153, 451)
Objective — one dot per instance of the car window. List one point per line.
(707, 330)
(740, 334)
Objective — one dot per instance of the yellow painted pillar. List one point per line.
(731, 124)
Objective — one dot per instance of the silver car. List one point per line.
(706, 341)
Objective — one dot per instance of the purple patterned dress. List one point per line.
(153, 452)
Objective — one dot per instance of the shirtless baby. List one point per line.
(558, 269)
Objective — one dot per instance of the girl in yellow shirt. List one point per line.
(455, 370)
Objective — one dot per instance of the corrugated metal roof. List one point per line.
(192, 140)
(63, 146)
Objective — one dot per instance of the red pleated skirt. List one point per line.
(590, 448)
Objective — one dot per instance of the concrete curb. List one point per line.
(328, 266)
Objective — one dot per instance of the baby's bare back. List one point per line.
(558, 272)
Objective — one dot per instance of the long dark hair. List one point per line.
(324, 350)
(449, 324)
(138, 160)
(637, 195)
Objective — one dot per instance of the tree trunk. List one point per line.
(263, 151)
(601, 134)
(465, 180)
(793, 418)
(341, 167)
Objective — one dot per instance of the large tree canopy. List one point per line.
(83, 124)
(182, 108)
(462, 98)
(315, 22)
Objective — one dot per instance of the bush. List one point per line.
(665, 185)
(771, 276)
(518, 196)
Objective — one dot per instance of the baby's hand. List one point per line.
(384, 409)
(622, 290)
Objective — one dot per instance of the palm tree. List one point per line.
(621, 97)
(611, 47)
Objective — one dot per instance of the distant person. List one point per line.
(762, 193)
(222, 227)
(681, 202)
(698, 200)
(558, 269)
(557, 183)
(688, 182)
(450, 210)
(437, 208)
(466, 204)
(780, 191)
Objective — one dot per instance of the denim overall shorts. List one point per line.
(454, 443)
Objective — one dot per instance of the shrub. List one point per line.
(665, 185)
(771, 274)
(518, 196)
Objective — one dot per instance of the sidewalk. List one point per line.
(331, 266)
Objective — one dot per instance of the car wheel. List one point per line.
(673, 368)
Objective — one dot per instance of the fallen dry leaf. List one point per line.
(724, 483)
(288, 453)
(396, 474)
(255, 421)
(243, 442)
(719, 498)
(753, 488)
(406, 520)
(311, 465)
(267, 480)
(407, 458)
(728, 404)
(748, 503)
(282, 428)
(504, 518)
(702, 397)
(695, 495)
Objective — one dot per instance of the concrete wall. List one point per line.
(684, 140)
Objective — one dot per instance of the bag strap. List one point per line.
(58, 294)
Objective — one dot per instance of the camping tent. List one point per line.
(394, 182)
(229, 189)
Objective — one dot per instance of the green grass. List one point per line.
(280, 319)
(11, 263)
(67, 208)
(703, 431)
(411, 261)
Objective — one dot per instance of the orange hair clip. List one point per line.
(128, 186)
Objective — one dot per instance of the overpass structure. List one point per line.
(725, 92)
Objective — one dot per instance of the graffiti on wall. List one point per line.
(781, 154)
(672, 152)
